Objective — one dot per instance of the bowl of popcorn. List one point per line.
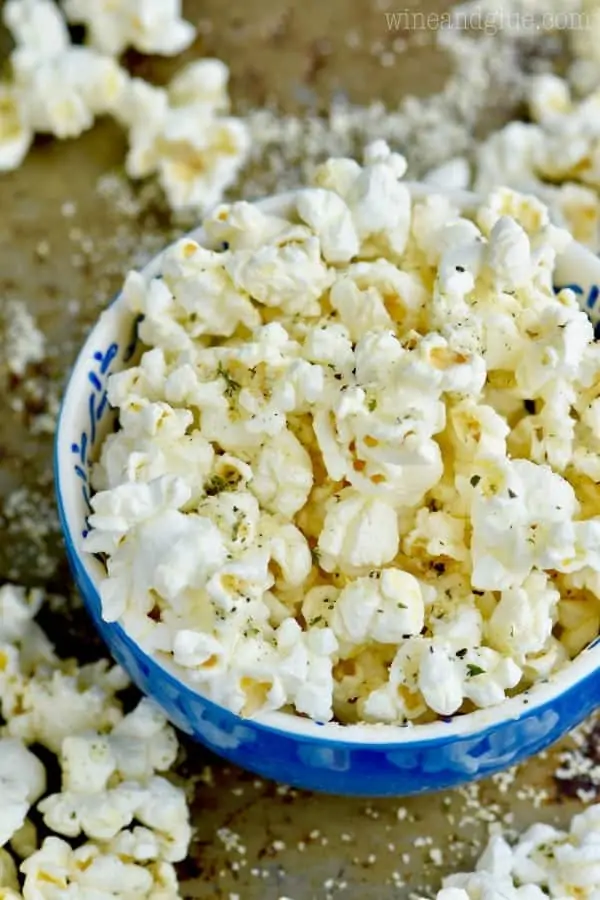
(328, 471)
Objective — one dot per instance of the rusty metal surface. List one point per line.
(64, 246)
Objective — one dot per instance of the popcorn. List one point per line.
(191, 272)
(116, 511)
(522, 622)
(22, 782)
(313, 696)
(509, 156)
(160, 556)
(282, 475)
(439, 534)
(48, 708)
(102, 816)
(549, 436)
(542, 862)
(98, 815)
(58, 88)
(65, 93)
(559, 338)
(509, 256)
(330, 219)
(253, 681)
(87, 763)
(109, 764)
(236, 514)
(454, 174)
(380, 205)
(554, 156)
(16, 136)
(403, 293)
(399, 699)
(202, 156)
(154, 456)
(289, 276)
(475, 431)
(358, 532)
(244, 226)
(380, 441)
(151, 26)
(202, 81)
(549, 96)
(56, 867)
(201, 654)
(163, 808)
(287, 548)
(577, 208)
(141, 744)
(108, 780)
(355, 473)
(488, 676)
(520, 522)
(447, 676)
(18, 606)
(179, 134)
(37, 27)
(431, 216)
(441, 680)
(360, 311)
(384, 609)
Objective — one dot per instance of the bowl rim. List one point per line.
(534, 701)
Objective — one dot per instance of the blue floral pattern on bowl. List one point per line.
(100, 369)
(97, 406)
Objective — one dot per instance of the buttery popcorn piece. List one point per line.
(151, 26)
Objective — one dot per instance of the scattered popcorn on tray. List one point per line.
(114, 791)
(151, 26)
(543, 862)
(38, 30)
(21, 342)
(22, 782)
(56, 87)
(411, 373)
(181, 134)
(92, 870)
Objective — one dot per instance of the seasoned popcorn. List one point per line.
(351, 476)
(37, 27)
(15, 134)
(151, 26)
(543, 863)
(93, 870)
(22, 782)
(180, 134)
(554, 156)
(136, 822)
(57, 88)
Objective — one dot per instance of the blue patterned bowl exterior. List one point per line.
(366, 760)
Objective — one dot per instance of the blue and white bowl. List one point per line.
(368, 760)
